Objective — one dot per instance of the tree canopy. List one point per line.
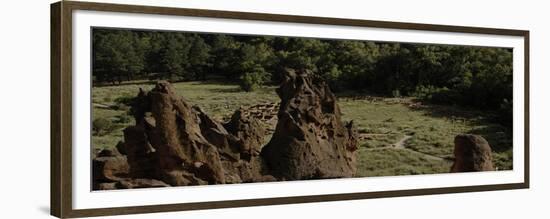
(480, 77)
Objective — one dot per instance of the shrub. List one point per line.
(438, 95)
(396, 93)
(250, 81)
(124, 119)
(126, 100)
(101, 125)
(120, 106)
(123, 103)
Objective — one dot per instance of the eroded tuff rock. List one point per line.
(472, 153)
(249, 132)
(310, 139)
(111, 171)
(179, 144)
(174, 143)
(108, 168)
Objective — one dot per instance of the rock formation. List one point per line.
(472, 153)
(111, 171)
(174, 143)
(310, 140)
(108, 167)
(249, 132)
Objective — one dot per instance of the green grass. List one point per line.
(218, 100)
(432, 127)
(394, 162)
(384, 120)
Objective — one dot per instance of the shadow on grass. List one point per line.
(360, 95)
(486, 123)
(215, 81)
(144, 82)
(498, 137)
(226, 90)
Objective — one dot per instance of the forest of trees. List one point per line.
(478, 77)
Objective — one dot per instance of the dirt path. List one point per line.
(400, 145)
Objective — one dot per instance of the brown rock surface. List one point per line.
(178, 140)
(472, 153)
(108, 167)
(249, 133)
(179, 144)
(141, 155)
(310, 140)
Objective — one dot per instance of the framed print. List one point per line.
(169, 109)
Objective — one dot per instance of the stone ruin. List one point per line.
(175, 144)
(265, 113)
(472, 153)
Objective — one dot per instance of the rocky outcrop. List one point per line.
(472, 153)
(174, 143)
(249, 132)
(310, 140)
(111, 171)
(139, 152)
(109, 166)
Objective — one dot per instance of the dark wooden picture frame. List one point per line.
(61, 108)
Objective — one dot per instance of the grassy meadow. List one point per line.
(398, 136)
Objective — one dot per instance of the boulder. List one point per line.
(310, 140)
(472, 153)
(109, 168)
